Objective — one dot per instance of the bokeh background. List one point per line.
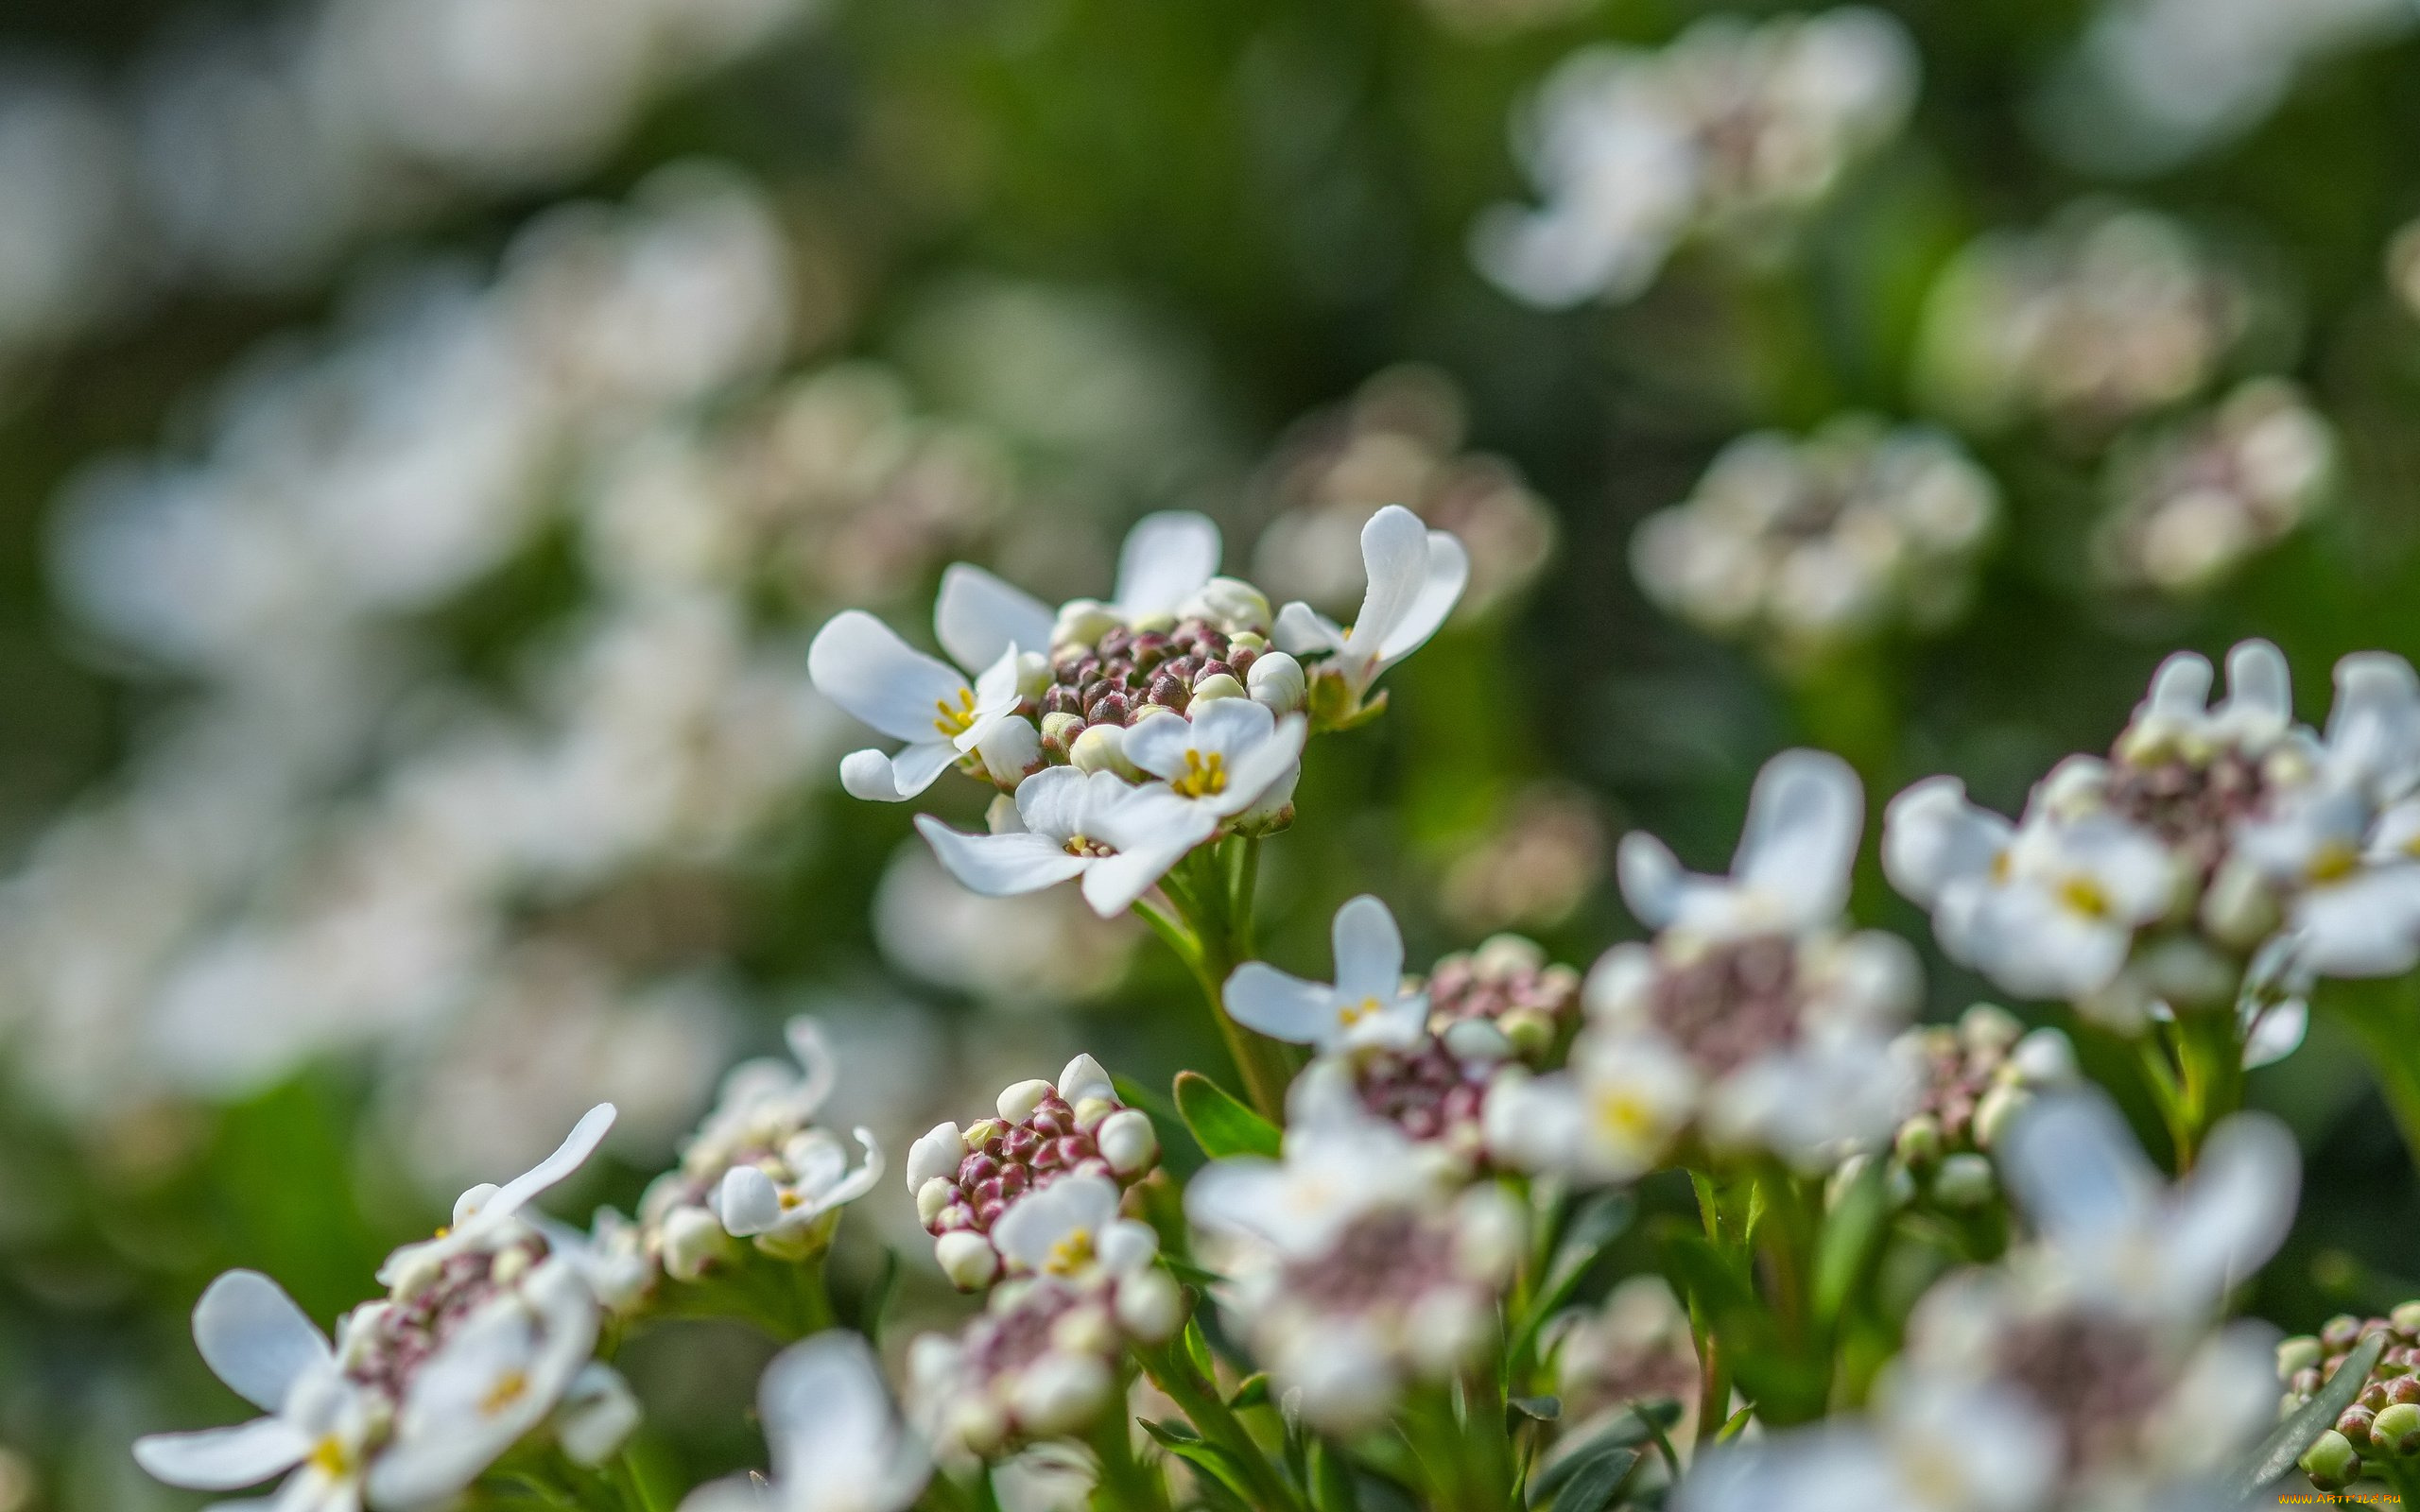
(429, 430)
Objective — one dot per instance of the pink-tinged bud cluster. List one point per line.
(1978, 1075)
(966, 1179)
(1111, 680)
(1429, 1093)
(2384, 1420)
(1506, 982)
(387, 1342)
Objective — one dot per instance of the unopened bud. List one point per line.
(1530, 1031)
(510, 1266)
(1059, 731)
(2331, 1462)
(1149, 1306)
(1000, 816)
(1081, 622)
(1919, 1142)
(1997, 1111)
(1218, 685)
(2046, 1057)
(1232, 604)
(1128, 1142)
(1017, 1103)
(2398, 1430)
(2405, 1319)
(2240, 907)
(1012, 750)
(935, 1154)
(1060, 1393)
(967, 1259)
(1476, 1040)
(2355, 1425)
(1276, 682)
(2301, 1352)
(932, 1197)
(1965, 1180)
(693, 1241)
(1989, 1027)
(1101, 748)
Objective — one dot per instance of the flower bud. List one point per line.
(2301, 1352)
(1531, 1032)
(1276, 682)
(1919, 1141)
(1476, 1040)
(1060, 1393)
(1446, 1328)
(932, 1197)
(1128, 1142)
(1018, 1102)
(1232, 604)
(1149, 1306)
(2398, 1430)
(2405, 1319)
(509, 1265)
(1965, 1180)
(967, 1259)
(1989, 1027)
(1000, 816)
(1059, 731)
(1091, 1110)
(936, 1154)
(2355, 1425)
(2046, 1057)
(1083, 622)
(2240, 908)
(693, 1239)
(1997, 1111)
(1101, 748)
(1012, 749)
(1033, 675)
(1218, 685)
(975, 1425)
(2330, 1462)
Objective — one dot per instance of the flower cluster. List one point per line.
(2188, 506)
(966, 1182)
(1978, 1075)
(1046, 1356)
(1803, 545)
(1752, 1019)
(1731, 133)
(1358, 1264)
(2145, 883)
(2383, 1421)
(2107, 314)
(486, 1336)
(1131, 731)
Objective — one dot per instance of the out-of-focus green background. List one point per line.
(392, 764)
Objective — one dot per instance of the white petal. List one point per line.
(1257, 773)
(1369, 951)
(1394, 554)
(861, 664)
(1261, 997)
(820, 1068)
(1056, 804)
(1932, 836)
(2373, 728)
(835, 1438)
(1303, 630)
(1449, 573)
(569, 1155)
(221, 1459)
(1000, 865)
(2260, 689)
(2232, 1211)
(2278, 1033)
(2075, 1169)
(255, 1338)
(733, 1493)
(878, 779)
(1084, 1078)
(1036, 1223)
(978, 617)
(1165, 560)
(1114, 883)
(2181, 688)
(2367, 925)
(747, 1202)
(1806, 814)
(1650, 879)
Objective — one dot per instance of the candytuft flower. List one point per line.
(1367, 1003)
(1118, 837)
(1415, 575)
(1224, 760)
(861, 664)
(838, 1444)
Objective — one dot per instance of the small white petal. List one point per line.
(861, 664)
(1164, 560)
(978, 616)
(1000, 865)
(1369, 951)
(255, 1338)
(221, 1459)
(1262, 998)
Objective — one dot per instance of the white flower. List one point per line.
(861, 664)
(1368, 1005)
(787, 1202)
(1070, 1227)
(1223, 759)
(1332, 1170)
(837, 1442)
(487, 1212)
(1610, 1117)
(1415, 575)
(2046, 909)
(262, 1347)
(497, 1377)
(1118, 837)
(1791, 872)
(1935, 1447)
(2120, 1237)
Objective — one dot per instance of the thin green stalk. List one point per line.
(1488, 1432)
(1714, 1370)
(1212, 894)
(1127, 1484)
(1199, 1400)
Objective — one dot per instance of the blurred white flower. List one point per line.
(1804, 546)
(1733, 132)
(837, 1442)
(1368, 1005)
(2188, 508)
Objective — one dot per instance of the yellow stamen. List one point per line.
(2334, 861)
(1071, 1254)
(1204, 776)
(2084, 896)
(1627, 1117)
(330, 1458)
(510, 1387)
(1353, 1013)
(954, 721)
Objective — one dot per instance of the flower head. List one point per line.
(1367, 1004)
(942, 715)
(1118, 838)
(2192, 505)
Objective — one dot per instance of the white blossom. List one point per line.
(1414, 577)
(838, 1444)
(1367, 1003)
(1119, 838)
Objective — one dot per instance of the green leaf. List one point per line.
(1624, 1433)
(1331, 1481)
(1197, 1349)
(875, 1310)
(1221, 1126)
(1222, 1481)
(1734, 1425)
(1586, 1480)
(1542, 1409)
(2277, 1453)
(1252, 1392)
(1848, 1241)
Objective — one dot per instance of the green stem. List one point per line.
(1199, 1400)
(1489, 1432)
(2211, 1060)
(1714, 1370)
(1127, 1484)
(1212, 891)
